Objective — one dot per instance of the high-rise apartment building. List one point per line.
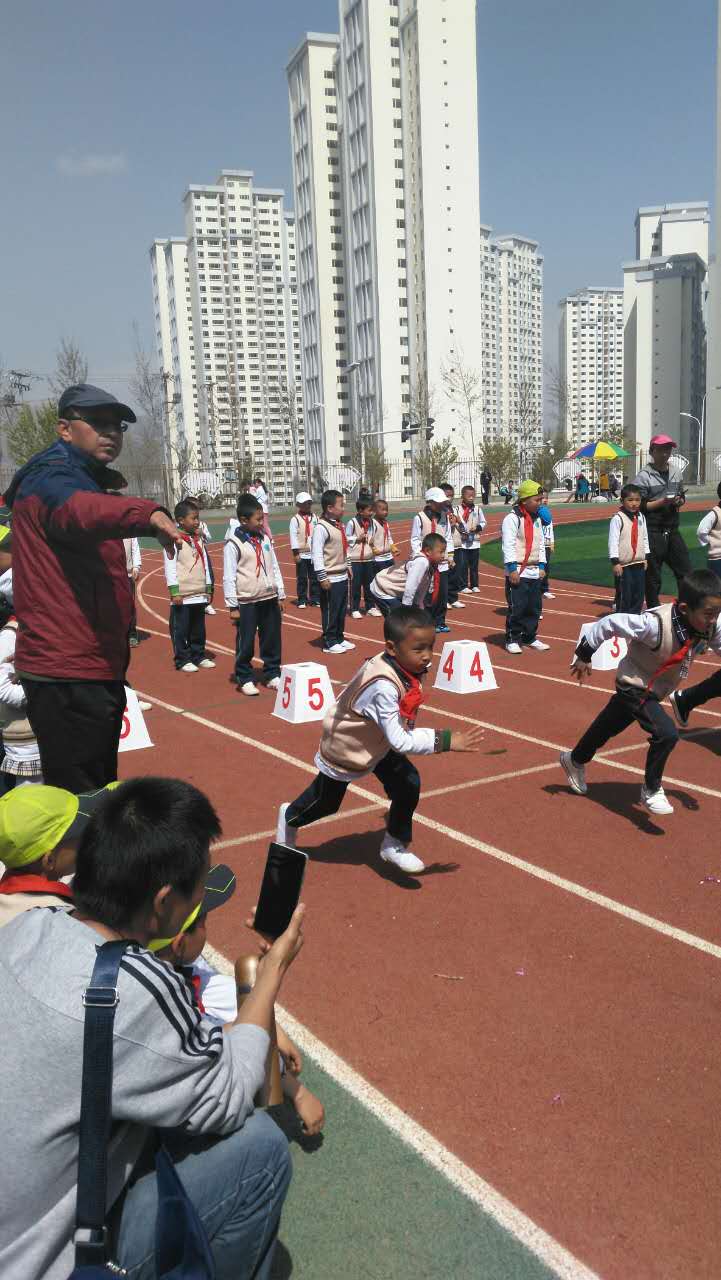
(229, 338)
(664, 331)
(385, 146)
(590, 364)
(511, 275)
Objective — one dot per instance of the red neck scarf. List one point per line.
(692, 638)
(431, 515)
(365, 525)
(193, 540)
(466, 512)
(338, 525)
(435, 580)
(195, 984)
(411, 701)
(634, 530)
(256, 542)
(528, 523)
(308, 521)
(35, 884)
(384, 526)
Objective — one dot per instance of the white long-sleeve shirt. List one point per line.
(318, 541)
(230, 566)
(12, 695)
(443, 526)
(294, 531)
(132, 553)
(706, 525)
(470, 540)
(645, 627)
(418, 578)
(171, 576)
(511, 527)
(614, 534)
(380, 702)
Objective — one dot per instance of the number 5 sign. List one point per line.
(465, 667)
(305, 693)
(133, 734)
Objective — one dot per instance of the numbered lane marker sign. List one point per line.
(465, 667)
(305, 692)
(133, 733)
(609, 654)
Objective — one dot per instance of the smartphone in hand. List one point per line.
(279, 890)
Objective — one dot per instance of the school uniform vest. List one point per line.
(303, 541)
(334, 556)
(191, 571)
(14, 724)
(433, 526)
(361, 551)
(625, 550)
(641, 663)
(350, 743)
(392, 581)
(535, 554)
(381, 539)
(471, 525)
(254, 579)
(714, 537)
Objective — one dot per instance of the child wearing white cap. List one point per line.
(434, 519)
(302, 525)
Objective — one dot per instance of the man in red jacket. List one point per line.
(71, 589)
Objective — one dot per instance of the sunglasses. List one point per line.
(99, 424)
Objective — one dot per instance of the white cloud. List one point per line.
(90, 165)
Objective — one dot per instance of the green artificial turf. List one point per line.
(581, 552)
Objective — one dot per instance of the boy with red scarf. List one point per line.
(254, 594)
(433, 518)
(470, 523)
(302, 525)
(329, 548)
(359, 532)
(382, 545)
(371, 729)
(627, 551)
(190, 584)
(524, 557)
(663, 643)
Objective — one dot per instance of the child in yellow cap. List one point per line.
(524, 559)
(40, 830)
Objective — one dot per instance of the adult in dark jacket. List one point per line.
(71, 589)
(662, 496)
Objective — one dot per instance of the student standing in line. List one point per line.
(254, 594)
(359, 532)
(524, 557)
(549, 540)
(709, 535)
(301, 529)
(470, 522)
(329, 548)
(628, 550)
(454, 584)
(433, 518)
(187, 576)
(382, 545)
(204, 532)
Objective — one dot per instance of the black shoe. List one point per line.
(678, 708)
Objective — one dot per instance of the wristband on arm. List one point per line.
(442, 741)
(584, 651)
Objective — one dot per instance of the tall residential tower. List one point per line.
(590, 360)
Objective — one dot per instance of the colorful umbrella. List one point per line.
(601, 450)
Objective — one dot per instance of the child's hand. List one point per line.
(176, 600)
(324, 584)
(280, 604)
(234, 615)
(617, 570)
(581, 670)
(309, 1109)
(283, 951)
(514, 578)
(290, 1052)
(296, 555)
(394, 548)
(469, 741)
(645, 564)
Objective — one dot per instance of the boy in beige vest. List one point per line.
(301, 529)
(433, 518)
(709, 535)
(329, 549)
(189, 582)
(413, 582)
(663, 643)
(628, 551)
(254, 593)
(371, 729)
(21, 759)
(383, 546)
(359, 532)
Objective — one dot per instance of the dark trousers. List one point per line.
(485, 494)
(699, 693)
(187, 632)
(400, 780)
(387, 606)
(133, 632)
(363, 574)
(467, 566)
(715, 567)
(333, 609)
(546, 581)
(438, 610)
(665, 547)
(524, 610)
(625, 707)
(262, 618)
(306, 581)
(630, 588)
(77, 724)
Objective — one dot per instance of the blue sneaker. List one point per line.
(442, 627)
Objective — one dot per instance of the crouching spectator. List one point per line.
(141, 870)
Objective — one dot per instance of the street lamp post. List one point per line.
(701, 429)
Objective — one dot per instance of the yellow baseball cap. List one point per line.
(34, 819)
(529, 489)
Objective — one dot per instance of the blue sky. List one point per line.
(586, 110)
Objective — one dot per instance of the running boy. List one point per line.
(412, 582)
(549, 542)
(302, 525)
(434, 517)
(329, 548)
(383, 546)
(359, 532)
(371, 729)
(663, 643)
(254, 594)
(470, 522)
(627, 551)
(190, 585)
(709, 535)
(524, 557)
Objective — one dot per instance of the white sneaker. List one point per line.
(188, 666)
(374, 613)
(209, 609)
(513, 647)
(538, 644)
(206, 664)
(655, 801)
(456, 605)
(549, 595)
(346, 645)
(274, 683)
(249, 689)
(335, 648)
(401, 857)
(145, 706)
(356, 614)
(476, 591)
(465, 591)
(302, 606)
(283, 833)
(576, 773)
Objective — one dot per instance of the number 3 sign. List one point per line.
(609, 654)
(134, 733)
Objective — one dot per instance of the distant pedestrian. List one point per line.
(486, 481)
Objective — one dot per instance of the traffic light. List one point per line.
(429, 428)
(405, 432)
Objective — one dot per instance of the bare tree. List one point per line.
(283, 396)
(463, 386)
(567, 417)
(434, 461)
(71, 367)
(526, 425)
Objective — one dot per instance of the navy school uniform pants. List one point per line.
(630, 589)
(187, 632)
(333, 609)
(306, 581)
(524, 610)
(627, 705)
(261, 618)
(400, 780)
(364, 571)
(467, 559)
(438, 610)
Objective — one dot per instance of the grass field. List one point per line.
(581, 553)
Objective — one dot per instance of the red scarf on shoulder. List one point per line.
(528, 523)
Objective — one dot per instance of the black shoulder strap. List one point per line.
(100, 1000)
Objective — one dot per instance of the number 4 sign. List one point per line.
(134, 733)
(465, 667)
(305, 692)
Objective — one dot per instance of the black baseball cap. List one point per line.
(85, 396)
(219, 887)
